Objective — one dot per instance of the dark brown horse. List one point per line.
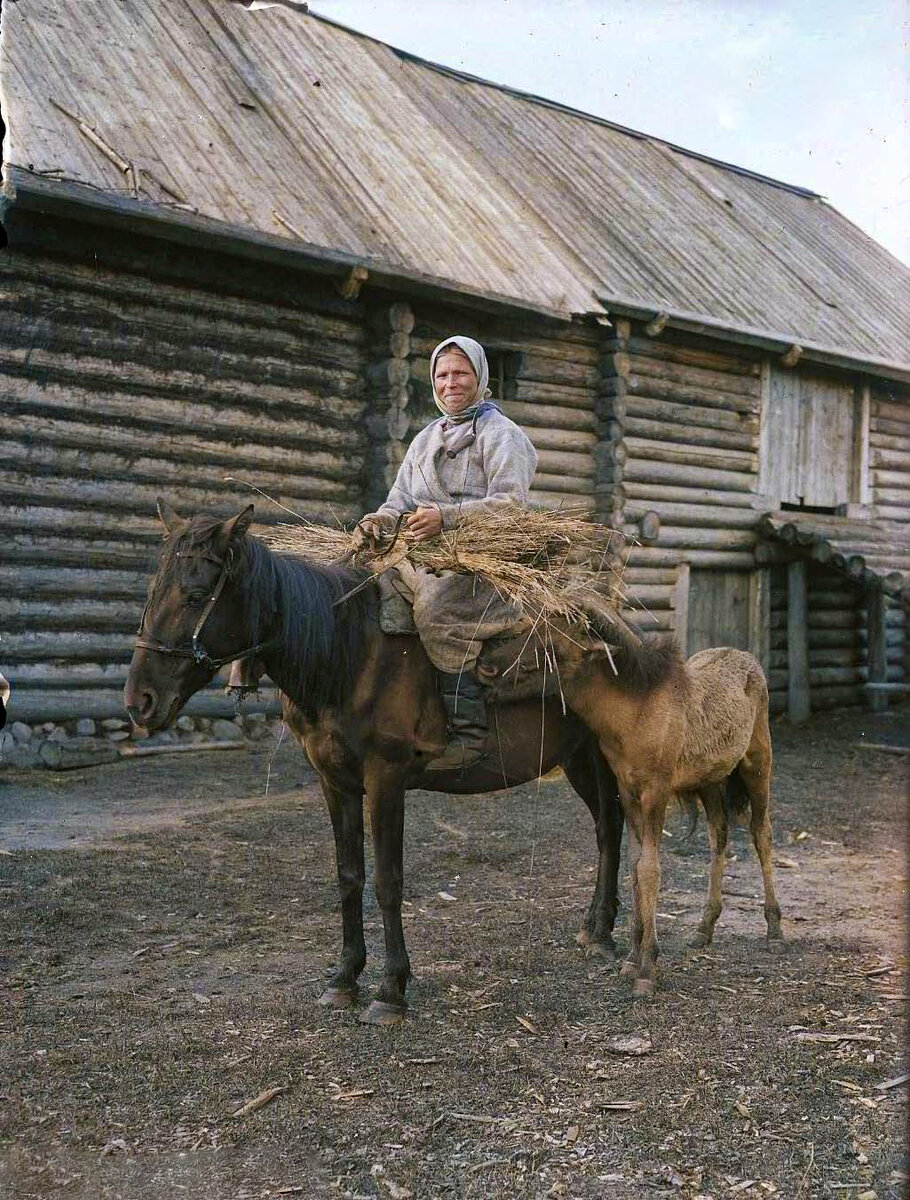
(364, 706)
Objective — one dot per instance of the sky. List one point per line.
(811, 92)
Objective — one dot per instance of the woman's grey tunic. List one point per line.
(449, 468)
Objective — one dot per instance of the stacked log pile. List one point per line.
(118, 388)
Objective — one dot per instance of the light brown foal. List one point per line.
(670, 730)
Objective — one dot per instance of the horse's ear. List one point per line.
(233, 529)
(168, 518)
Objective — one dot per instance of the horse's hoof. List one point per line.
(643, 987)
(628, 967)
(601, 950)
(776, 945)
(381, 1013)
(583, 937)
(337, 997)
(699, 940)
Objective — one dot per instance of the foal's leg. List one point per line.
(589, 774)
(385, 795)
(755, 771)
(649, 816)
(632, 961)
(718, 828)
(346, 811)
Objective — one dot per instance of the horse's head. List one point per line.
(193, 622)
(518, 668)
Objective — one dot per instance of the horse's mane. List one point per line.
(295, 603)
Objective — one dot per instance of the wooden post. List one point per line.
(681, 607)
(798, 705)
(860, 489)
(877, 650)
(760, 615)
(610, 412)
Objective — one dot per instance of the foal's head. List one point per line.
(193, 622)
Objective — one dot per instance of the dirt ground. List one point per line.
(166, 926)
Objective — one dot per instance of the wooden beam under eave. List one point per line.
(798, 702)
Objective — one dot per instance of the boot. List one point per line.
(466, 709)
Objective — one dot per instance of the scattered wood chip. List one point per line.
(845, 1083)
(139, 953)
(620, 1105)
(258, 1101)
(445, 895)
(421, 1062)
(630, 1043)
(781, 860)
(897, 1081)
(354, 1094)
(529, 1025)
(879, 971)
(296, 1190)
(741, 1187)
(831, 1038)
(112, 1146)
(201, 999)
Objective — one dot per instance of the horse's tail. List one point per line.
(736, 796)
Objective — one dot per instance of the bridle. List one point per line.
(195, 649)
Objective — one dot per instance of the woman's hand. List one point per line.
(425, 523)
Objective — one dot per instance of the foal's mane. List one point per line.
(642, 663)
(297, 604)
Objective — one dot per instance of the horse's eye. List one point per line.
(196, 597)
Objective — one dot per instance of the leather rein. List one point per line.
(195, 649)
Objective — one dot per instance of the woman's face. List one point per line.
(454, 380)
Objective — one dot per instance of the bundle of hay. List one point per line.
(552, 562)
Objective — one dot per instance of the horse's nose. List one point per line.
(140, 707)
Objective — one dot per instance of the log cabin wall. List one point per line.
(134, 371)
(889, 452)
(688, 414)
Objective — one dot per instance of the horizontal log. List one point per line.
(721, 560)
(723, 364)
(42, 280)
(832, 619)
(658, 621)
(691, 376)
(652, 576)
(563, 462)
(38, 519)
(892, 460)
(577, 504)
(707, 539)
(882, 440)
(892, 512)
(545, 481)
(69, 676)
(658, 492)
(695, 515)
(689, 435)
(145, 334)
(573, 440)
(890, 410)
(36, 705)
(212, 495)
(302, 419)
(552, 416)
(125, 359)
(649, 596)
(162, 464)
(35, 645)
(897, 429)
(529, 391)
(70, 613)
(75, 551)
(715, 458)
(669, 412)
(71, 581)
(899, 496)
(881, 477)
(643, 470)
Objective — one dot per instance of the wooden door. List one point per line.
(718, 610)
(807, 442)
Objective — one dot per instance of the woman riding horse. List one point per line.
(471, 458)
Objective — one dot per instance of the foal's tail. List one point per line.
(736, 796)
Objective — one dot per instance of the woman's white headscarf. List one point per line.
(478, 360)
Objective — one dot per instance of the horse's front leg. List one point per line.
(385, 796)
(346, 811)
(592, 778)
(648, 819)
